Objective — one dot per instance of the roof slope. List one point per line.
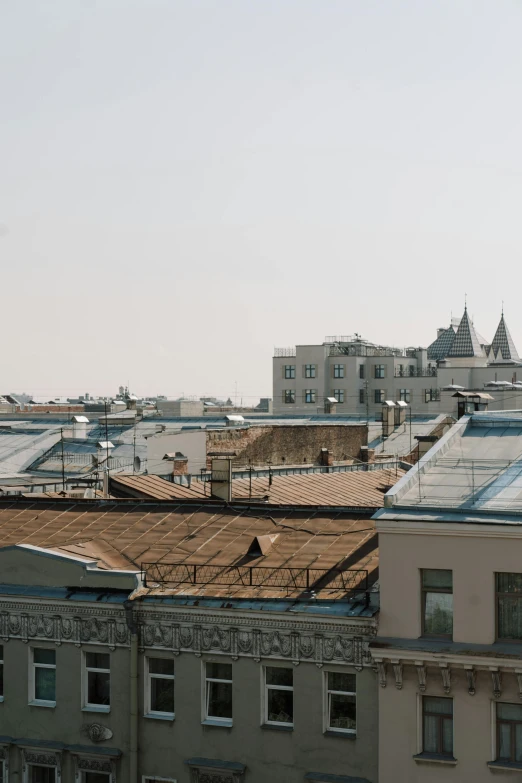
(126, 534)
(364, 489)
(466, 341)
(440, 348)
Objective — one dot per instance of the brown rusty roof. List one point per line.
(126, 534)
(351, 489)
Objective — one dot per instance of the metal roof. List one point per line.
(126, 534)
(364, 489)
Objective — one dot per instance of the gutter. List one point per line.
(133, 688)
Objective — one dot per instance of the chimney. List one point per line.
(400, 412)
(388, 418)
(330, 405)
(179, 463)
(367, 454)
(325, 457)
(104, 449)
(79, 426)
(221, 478)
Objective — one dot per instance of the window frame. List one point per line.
(289, 372)
(85, 772)
(291, 393)
(362, 396)
(405, 395)
(33, 701)
(512, 743)
(310, 371)
(212, 719)
(382, 396)
(29, 766)
(338, 371)
(362, 372)
(156, 779)
(379, 371)
(498, 595)
(312, 394)
(266, 687)
(327, 711)
(149, 676)
(339, 396)
(440, 732)
(424, 592)
(87, 706)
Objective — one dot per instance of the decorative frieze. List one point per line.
(445, 673)
(496, 676)
(315, 641)
(421, 674)
(470, 676)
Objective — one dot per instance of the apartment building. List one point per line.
(144, 641)
(449, 645)
(358, 376)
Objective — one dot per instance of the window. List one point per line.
(339, 395)
(289, 371)
(379, 370)
(279, 695)
(509, 732)
(362, 396)
(431, 395)
(412, 370)
(404, 395)
(437, 725)
(218, 692)
(362, 371)
(400, 370)
(338, 370)
(309, 395)
(289, 396)
(437, 603)
(379, 395)
(310, 370)
(160, 686)
(509, 606)
(341, 707)
(97, 692)
(43, 677)
(40, 774)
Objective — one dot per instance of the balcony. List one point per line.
(415, 372)
(284, 352)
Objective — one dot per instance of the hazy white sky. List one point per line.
(187, 183)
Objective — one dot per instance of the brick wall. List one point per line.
(290, 445)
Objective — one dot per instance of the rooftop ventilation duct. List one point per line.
(261, 545)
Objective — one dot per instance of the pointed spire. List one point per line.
(503, 347)
(466, 343)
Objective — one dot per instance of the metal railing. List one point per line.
(174, 574)
(279, 352)
(415, 372)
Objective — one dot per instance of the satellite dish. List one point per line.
(137, 464)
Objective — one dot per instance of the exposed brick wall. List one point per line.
(290, 445)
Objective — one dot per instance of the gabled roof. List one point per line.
(466, 343)
(440, 348)
(503, 347)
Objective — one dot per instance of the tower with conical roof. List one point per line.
(503, 348)
(466, 344)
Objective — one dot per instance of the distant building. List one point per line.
(361, 375)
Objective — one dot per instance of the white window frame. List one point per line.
(86, 706)
(149, 712)
(266, 688)
(32, 679)
(327, 692)
(206, 693)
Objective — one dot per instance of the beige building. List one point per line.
(361, 375)
(142, 642)
(449, 645)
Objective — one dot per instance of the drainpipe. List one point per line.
(132, 625)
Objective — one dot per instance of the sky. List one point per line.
(186, 184)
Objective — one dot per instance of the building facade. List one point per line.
(361, 375)
(449, 646)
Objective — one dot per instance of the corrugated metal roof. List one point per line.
(126, 534)
(363, 489)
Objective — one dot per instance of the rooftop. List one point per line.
(216, 544)
(357, 489)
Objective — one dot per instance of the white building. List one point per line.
(361, 375)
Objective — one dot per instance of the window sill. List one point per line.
(222, 724)
(347, 735)
(507, 766)
(434, 758)
(96, 708)
(276, 727)
(158, 716)
(37, 703)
